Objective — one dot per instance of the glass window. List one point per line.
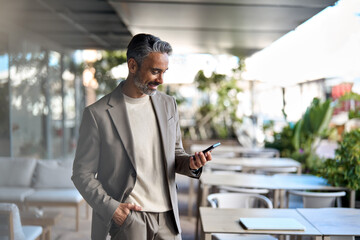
(28, 106)
(55, 87)
(4, 97)
(68, 77)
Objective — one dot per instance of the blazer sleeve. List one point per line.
(85, 168)
(182, 164)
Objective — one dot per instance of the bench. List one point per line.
(39, 183)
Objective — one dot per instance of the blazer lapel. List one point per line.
(161, 115)
(120, 119)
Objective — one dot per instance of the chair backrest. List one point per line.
(238, 200)
(319, 199)
(276, 170)
(223, 168)
(243, 190)
(10, 223)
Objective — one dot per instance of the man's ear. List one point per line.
(132, 65)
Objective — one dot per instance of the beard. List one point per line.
(143, 87)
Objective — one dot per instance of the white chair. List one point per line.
(319, 199)
(222, 167)
(10, 225)
(276, 170)
(223, 189)
(239, 200)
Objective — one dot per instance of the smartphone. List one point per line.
(210, 148)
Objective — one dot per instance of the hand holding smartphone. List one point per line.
(210, 148)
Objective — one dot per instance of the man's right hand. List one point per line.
(123, 211)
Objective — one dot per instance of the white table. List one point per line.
(304, 182)
(333, 221)
(246, 164)
(230, 151)
(238, 150)
(221, 220)
(256, 163)
(278, 183)
(47, 220)
(245, 180)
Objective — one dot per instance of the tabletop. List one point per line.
(278, 183)
(47, 219)
(222, 220)
(268, 152)
(238, 180)
(333, 221)
(302, 182)
(256, 162)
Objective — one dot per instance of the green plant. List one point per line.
(344, 170)
(300, 141)
(103, 68)
(217, 114)
(282, 141)
(310, 129)
(352, 97)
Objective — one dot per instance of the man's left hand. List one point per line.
(200, 160)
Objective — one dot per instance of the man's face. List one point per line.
(150, 75)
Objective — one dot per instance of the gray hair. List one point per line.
(141, 45)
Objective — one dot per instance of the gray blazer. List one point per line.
(104, 169)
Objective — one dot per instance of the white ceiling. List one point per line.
(72, 24)
(239, 27)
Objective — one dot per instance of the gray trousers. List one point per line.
(146, 226)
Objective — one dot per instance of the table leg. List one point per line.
(287, 199)
(282, 198)
(352, 199)
(204, 194)
(87, 211)
(191, 197)
(198, 202)
(77, 218)
(48, 234)
(203, 191)
(276, 198)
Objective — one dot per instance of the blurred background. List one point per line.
(241, 70)
(279, 74)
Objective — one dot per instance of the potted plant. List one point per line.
(344, 170)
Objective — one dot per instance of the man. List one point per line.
(129, 149)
